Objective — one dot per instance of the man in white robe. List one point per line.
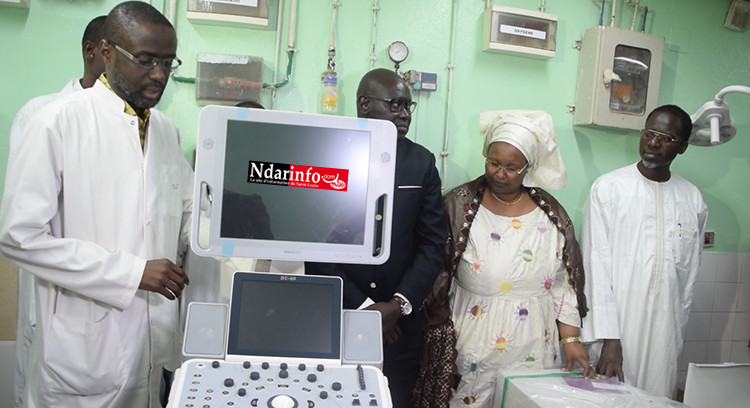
(98, 209)
(93, 66)
(641, 240)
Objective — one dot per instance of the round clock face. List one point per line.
(397, 51)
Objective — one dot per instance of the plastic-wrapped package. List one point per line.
(552, 388)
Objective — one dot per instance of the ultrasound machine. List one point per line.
(290, 187)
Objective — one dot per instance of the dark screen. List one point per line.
(286, 318)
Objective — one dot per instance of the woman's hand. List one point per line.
(574, 352)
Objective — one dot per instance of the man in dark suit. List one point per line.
(399, 286)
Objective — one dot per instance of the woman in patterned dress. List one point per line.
(517, 291)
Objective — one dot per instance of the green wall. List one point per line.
(41, 52)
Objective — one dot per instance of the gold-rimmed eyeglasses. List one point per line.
(495, 166)
(148, 63)
(649, 134)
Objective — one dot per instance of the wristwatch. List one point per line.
(405, 305)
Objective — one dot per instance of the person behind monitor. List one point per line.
(517, 294)
(399, 286)
(98, 209)
(93, 66)
(642, 237)
(249, 104)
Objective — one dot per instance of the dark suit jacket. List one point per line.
(419, 231)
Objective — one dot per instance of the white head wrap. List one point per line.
(533, 134)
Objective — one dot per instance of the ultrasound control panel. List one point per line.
(201, 383)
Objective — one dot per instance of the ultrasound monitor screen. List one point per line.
(294, 183)
(285, 316)
(293, 186)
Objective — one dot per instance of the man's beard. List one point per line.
(652, 165)
(133, 96)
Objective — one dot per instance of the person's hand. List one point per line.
(390, 312)
(610, 360)
(164, 277)
(391, 336)
(574, 352)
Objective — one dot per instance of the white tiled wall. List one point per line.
(719, 327)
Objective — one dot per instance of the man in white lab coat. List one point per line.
(641, 239)
(98, 210)
(93, 66)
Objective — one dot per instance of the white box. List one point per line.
(227, 79)
(552, 388)
(619, 73)
(717, 385)
(253, 13)
(519, 31)
(17, 3)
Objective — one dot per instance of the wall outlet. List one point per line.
(708, 239)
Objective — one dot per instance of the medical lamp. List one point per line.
(712, 124)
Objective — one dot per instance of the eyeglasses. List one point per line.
(397, 105)
(649, 134)
(148, 63)
(495, 166)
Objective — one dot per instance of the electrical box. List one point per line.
(518, 31)
(421, 81)
(618, 77)
(228, 79)
(17, 3)
(737, 16)
(229, 12)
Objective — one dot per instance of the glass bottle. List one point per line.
(329, 96)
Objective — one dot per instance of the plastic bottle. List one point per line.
(329, 96)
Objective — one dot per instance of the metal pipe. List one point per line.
(292, 26)
(449, 97)
(289, 51)
(331, 66)
(334, 6)
(635, 5)
(277, 50)
(172, 11)
(612, 19)
(375, 9)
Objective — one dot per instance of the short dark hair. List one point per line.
(377, 78)
(686, 124)
(128, 16)
(249, 104)
(94, 31)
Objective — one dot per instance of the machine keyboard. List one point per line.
(213, 383)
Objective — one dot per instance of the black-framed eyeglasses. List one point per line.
(397, 105)
(649, 134)
(148, 63)
(495, 166)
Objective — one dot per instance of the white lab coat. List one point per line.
(100, 341)
(26, 297)
(641, 241)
